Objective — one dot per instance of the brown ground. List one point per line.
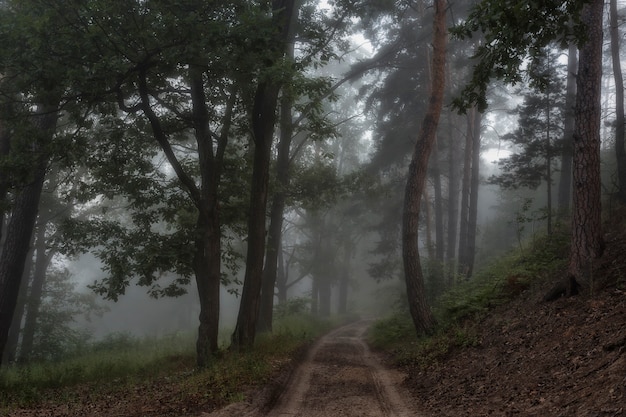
(340, 377)
(530, 358)
(564, 358)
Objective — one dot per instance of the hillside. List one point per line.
(531, 358)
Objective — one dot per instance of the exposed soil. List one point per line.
(340, 377)
(564, 358)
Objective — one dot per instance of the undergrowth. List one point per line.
(109, 368)
(458, 308)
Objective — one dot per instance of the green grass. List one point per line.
(458, 308)
(119, 362)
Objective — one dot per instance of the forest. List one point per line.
(212, 168)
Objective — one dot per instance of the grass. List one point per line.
(116, 365)
(458, 308)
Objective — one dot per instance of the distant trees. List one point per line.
(522, 33)
(538, 138)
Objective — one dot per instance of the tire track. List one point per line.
(342, 377)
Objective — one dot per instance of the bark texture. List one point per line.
(587, 240)
(420, 311)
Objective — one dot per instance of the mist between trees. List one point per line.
(168, 166)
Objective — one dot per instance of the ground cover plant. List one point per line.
(458, 308)
(122, 375)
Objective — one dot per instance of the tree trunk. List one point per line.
(453, 205)
(207, 263)
(274, 235)
(22, 222)
(42, 261)
(472, 221)
(620, 151)
(423, 319)
(207, 268)
(465, 193)
(438, 201)
(263, 120)
(344, 279)
(5, 146)
(282, 275)
(587, 241)
(10, 350)
(565, 182)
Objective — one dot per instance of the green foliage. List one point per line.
(512, 32)
(505, 278)
(297, 305)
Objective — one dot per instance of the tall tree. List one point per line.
(620, 149)
(522, 33)
(418, 168)
(24, 214)
(565, 181)
(587, 240)
(263, 121)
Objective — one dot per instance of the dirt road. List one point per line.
(339, 377)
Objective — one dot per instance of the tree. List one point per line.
(420, 312)
(515, 32)
(541, 118)
(620, 143)
(24, 215)
(565, 182)
(263, 120)
(587, 240)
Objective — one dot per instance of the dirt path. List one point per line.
(339, 377)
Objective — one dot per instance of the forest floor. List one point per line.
(535, 358)
(524, 358)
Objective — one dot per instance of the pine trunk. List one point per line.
(472, 222)
(465, 193)
(587, 241)
(620, 151)
(565, 182)
(423, 319)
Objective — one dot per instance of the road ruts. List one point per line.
(341, 377)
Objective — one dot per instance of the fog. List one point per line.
(151, 173)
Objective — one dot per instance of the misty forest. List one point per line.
(194, 192)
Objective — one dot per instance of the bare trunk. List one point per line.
(11, 348)
(423, 319)
(620, 151)
(207, 262)
(438, 202)
(42, 261)
(465, 193)
(207, 268)
(470, 254)
(22, 222)
(276, 216)
(453, 205)
(565, 182)
(263, 120)
(587, 241)
(344, 279)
